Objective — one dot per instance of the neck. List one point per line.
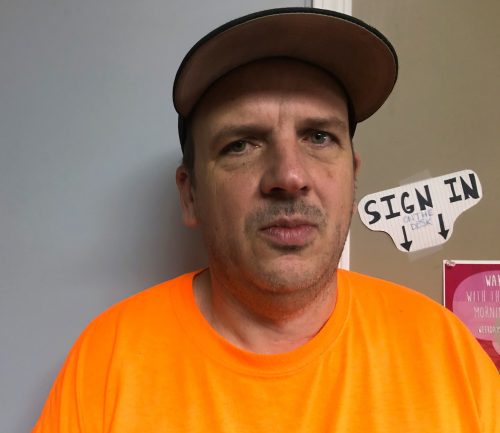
(266, 323)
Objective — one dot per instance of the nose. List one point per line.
(286, 174)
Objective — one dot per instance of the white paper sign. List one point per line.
(421, 214)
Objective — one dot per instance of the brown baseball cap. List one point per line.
(360, 57)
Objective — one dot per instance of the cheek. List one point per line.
(339, 175)
(338, 190)
(222, 203)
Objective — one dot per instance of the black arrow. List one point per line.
(406, 244)
(443, 232)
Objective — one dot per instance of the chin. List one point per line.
(291, 277)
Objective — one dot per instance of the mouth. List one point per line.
(289, 233)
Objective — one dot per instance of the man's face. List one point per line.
(274, 176)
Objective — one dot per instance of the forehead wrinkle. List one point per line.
(281, 81)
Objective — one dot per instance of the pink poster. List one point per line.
(472, 292)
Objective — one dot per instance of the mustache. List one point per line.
(296, 208)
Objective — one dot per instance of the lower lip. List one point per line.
(297, 236)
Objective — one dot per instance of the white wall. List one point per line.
(88, 148)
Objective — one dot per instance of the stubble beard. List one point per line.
(281, 292)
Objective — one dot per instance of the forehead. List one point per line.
(272, 80)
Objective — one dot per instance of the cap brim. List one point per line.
(359, 56)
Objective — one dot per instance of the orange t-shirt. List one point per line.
(388, 360)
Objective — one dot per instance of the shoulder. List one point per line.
(391, 297)
(148, 310)
(406, 333)
(379, 287)
(412, 321)
(136, 335)
(405, 314)
(129, 332)
(157, 297)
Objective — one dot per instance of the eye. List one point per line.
(319, 137)
(238, 146)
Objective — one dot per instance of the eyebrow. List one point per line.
(258, 130)
(240, 130)
(325, 123)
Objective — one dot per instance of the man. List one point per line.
(272, 337)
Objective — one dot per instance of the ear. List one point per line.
(357, 166)
(186, 196)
